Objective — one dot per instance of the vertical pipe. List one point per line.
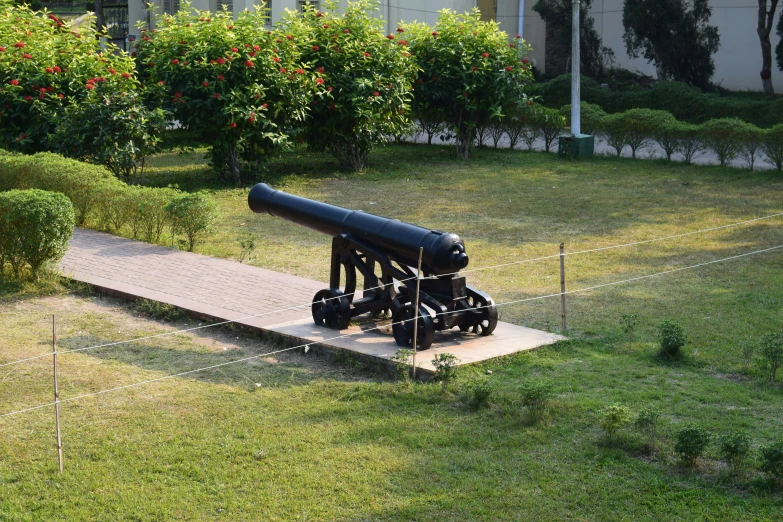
(56, 396)
(562, 289)
(521, 19)
(575, 67)
(416, 311)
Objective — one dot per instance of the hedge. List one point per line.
(684, 102)
(35, 227)
(100, 200)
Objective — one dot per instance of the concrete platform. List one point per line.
(273, 304)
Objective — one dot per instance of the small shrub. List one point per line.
(690, 141)
(192, 215)
(671, 337)
(158, 310)
(614, 418)
(590, 117)
(748, 351)
(536, 396)
(666, 132)
(549, 124)
(772, 145)
(751, 140)
(724, 137)
(734, 448)
(628, 323)
(691, 441)
(771, 457)
(647, 422)
(771, 349)
(247, 245)
(445, 368)
(640, 125)
(513, 125)
(403, 358)
(615, 133)
(35, 227)
(477, 394)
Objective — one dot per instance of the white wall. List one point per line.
(738, 60)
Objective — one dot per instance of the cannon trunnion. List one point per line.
(384, 251)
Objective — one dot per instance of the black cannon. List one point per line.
(366, 242)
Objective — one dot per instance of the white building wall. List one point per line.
(738, 60)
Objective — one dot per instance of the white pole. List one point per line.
(416, 312)
(575, 124)
(521, 19)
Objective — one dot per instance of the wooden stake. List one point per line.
(416, 312)
(562, 288)
(57, 396)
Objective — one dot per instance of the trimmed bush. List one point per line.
(615, 132)
(192, 215)
(671, 337)
(751, 139)
(771, 351)
(477, 393)
(82, 183)
(772, 459)
(666, 132)
(614, 418)
(590, 117)
(35, 227)
(690, 141)
(647, 422)
(546, 123)
(445, 365)
(535, 397)
(468, 71)
(723, 137)
(691, 443)
(772, 145)
(734, 448)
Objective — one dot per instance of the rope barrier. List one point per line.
(244, 359)
(294, 307)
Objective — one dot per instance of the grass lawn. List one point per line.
(300, 438)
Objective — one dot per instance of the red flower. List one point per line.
(19, 45)
(175, 61)
(126, 75)
(14, 82)
(264, 106)
(530, 102)
(434, 78)
(252, 53)
(112, 71)
(282, 70)
(248, 63)
(178, 95)
(161, 82)
(316, 48)
(276, 59)
(329, 88)
(346, 31)
(319, 14)
(234, 50)
(205, 84)
(187, 25)
(326, 26)
(57, 69)
(42, 89)
(390, 36)
(233, 125)
(511, 45)
(220, 77)
(146, 38)
(49, 70)
(509, 68)
(403, 43)
(376, 93)
(134, 54)
(434, 33)
(59, 95)
(475, 33)
(290, 37)
(400, 30)
(485, 55)
(251, 118)
(24, 136)
(299, 71)
(27, 56)
(230, 27)
(464, 94)
(319, 81)
(256, 48)
(90, 86)
(2, 49)
(366, 55)
(216, 95)
(28, 98)
(320, 70)
(475, 68)
(525, 60)
(221, 61)
(518, 36)
(418, 81)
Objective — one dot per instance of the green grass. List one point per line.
(302, 438)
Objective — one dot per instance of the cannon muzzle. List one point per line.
(443, 253)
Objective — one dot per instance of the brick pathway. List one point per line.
(205, 285)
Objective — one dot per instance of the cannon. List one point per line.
(385, 252)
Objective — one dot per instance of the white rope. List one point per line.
(294, 307)
(140, 383)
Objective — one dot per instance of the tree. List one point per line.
(766, 18)
(558, 15)
(779, 47)
(674, 35)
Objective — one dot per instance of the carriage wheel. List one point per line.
(402, 327)
(489, 313)
(331, 309)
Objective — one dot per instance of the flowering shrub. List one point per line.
(366, 79)
(468, 70)
(240, 87)
(46, 66)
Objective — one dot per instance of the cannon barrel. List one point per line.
(443, 252)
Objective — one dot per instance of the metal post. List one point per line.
(575, 83)
(562, 288)
(56, 396)
(416, 311)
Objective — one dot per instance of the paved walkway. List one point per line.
(227, 290)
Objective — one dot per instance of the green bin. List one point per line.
(579, 146)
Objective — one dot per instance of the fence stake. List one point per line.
(562, 288)
(416, 312)
(57, 396)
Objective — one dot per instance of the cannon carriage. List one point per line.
(384, 252)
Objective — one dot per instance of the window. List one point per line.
(267, 12)
(228, 4)
(170, 6)
(301, 4)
